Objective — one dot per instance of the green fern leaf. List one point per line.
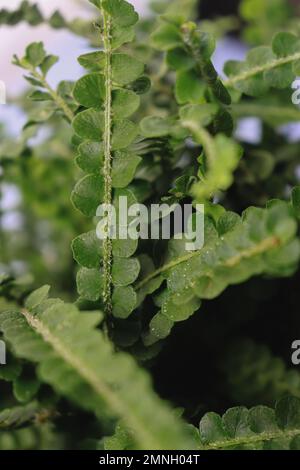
(80, 364)
(259, 428)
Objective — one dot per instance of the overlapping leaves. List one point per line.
(79, 363)
(260, 428)
(266, 67)
(261, 241)
(107, 113)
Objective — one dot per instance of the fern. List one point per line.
(106, 134)
(152, 120)
(73, 357)
(260, 428)
(38, 63)
(18, 416)
(254, 375)
(266, 67)
(31, 438)
(236, 250)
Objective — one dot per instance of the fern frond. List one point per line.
(107, 156)
(221, 154)
(234, 250)
(266, 67)
(79, 363)
(254, 375)
(37, 63)
(39, 437)
(18, 416)
(260, 428)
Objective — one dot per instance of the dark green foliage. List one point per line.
(254, 375)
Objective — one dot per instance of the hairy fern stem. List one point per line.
(261, 69)
(107, 247)
(265, 245)
(255, 439)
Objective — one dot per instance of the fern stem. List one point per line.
(260, 69)
(203, 137)
(265, 245)
(107, 246)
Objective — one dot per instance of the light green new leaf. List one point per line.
(262, 242)
(48, 63)
(35, 54)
